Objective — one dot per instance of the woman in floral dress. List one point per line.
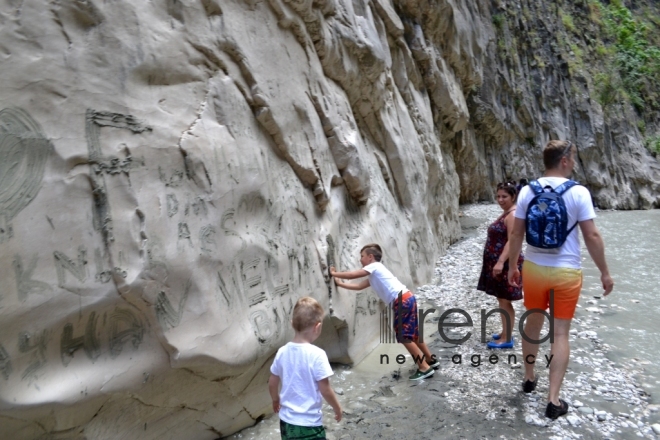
(495, 266)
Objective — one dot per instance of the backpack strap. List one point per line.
(571, 229)
(536, 187)
(561, 189)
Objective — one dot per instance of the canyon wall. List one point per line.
(175, 174)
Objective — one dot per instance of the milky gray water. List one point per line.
(630, 317)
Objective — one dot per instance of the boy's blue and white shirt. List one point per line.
(300, 367)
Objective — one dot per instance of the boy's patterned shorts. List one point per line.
(295, 432)
(409, 329)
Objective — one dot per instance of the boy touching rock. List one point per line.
(403, 303)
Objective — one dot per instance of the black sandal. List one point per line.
(553, 411)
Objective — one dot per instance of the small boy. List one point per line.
(304, 370)
(388, 288)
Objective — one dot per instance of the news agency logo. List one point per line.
(387, 335)
(388, 324)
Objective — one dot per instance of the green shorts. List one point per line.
(295, 432)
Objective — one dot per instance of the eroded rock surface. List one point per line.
(175, 174)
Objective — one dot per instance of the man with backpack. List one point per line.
(547, 214)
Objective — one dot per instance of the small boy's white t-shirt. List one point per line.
(300, 367)
(579, 208)
(386, 285)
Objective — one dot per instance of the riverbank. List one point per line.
(478, 398)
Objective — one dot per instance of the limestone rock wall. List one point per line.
(175, 174)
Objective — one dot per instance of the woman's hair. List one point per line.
(306, 313)
(373, 249)
(510, 188)
(554, 151)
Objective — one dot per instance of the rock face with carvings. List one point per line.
(175, 174)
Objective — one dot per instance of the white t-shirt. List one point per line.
(386, 285)
(300, 367)
(579, 207)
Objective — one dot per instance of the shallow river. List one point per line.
(631, 320)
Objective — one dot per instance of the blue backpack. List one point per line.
(546, 220)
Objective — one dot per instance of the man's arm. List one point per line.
(596, 248)
(350, 275)
(274, 390)
(515, 246)
(350, 286)
(330, 397)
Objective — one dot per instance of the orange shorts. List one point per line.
(539, 280)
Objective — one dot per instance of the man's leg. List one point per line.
(537, 289)
(560, 351)
(533, 325)
(567, 285)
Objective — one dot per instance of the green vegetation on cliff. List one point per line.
(653, 143)
(612, 46)
(634, 56)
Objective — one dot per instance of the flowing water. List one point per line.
(631, 314)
